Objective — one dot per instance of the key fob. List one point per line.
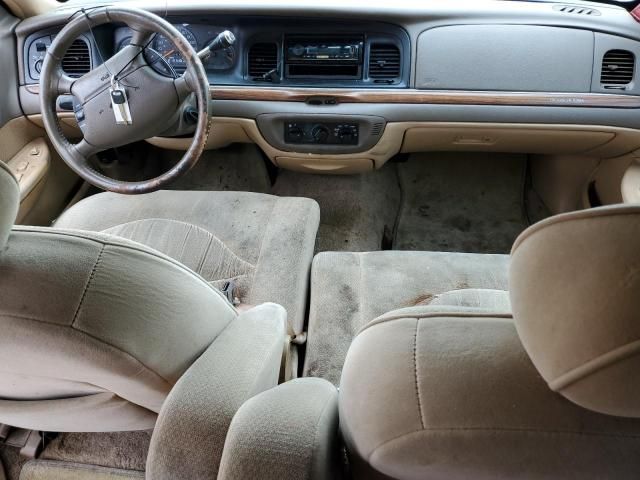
(118, 97)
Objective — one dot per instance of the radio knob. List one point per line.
(297, 50)
(320, 133)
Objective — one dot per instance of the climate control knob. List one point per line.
(346, 132)
(320, 133)
(295, 132)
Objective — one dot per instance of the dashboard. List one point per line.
(349, 84)
(274, 51)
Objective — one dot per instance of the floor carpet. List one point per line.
(357, 212)
(461, 202)
(117, 450)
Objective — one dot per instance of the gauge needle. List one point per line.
(169, 53)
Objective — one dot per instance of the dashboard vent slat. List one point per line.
(77, 61)
(263, 57)
(617, 67)
(384, 62)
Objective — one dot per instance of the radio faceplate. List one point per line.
(309, 56)
(303, 49)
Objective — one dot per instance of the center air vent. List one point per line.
(617, 67)
(263, 58)
(77, 61)
(384, 62)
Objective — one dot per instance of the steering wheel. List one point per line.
(153, 100)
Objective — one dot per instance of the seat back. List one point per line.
(95, 329)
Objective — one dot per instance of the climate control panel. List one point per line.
(323, 133)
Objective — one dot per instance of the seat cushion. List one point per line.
(448, 392)
(262, 242)
(348, 290)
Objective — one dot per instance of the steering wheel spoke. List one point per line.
(140, 36)
(64, 83)
(183, 86)
(85, 149)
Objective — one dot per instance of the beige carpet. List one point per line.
(355, 210)
(461, 202)
(51, 470)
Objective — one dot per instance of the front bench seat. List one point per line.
(543, 384)
(263, 243)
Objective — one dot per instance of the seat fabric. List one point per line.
(348, 290)
(262, 242)
(96, 330)
(448, 392)
(538, 385)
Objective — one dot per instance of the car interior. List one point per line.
(337, 239)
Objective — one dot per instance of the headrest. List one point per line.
(575, 294)
(9, 202)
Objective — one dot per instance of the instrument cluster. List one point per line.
(165, 58)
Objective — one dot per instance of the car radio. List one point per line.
(323, 56)
(310, 49)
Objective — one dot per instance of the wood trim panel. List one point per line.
(424, 97)
(427, 97)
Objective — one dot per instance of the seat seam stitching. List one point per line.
(137, 360)
(264, 235)
(415, 371)
(596, 364)
(86, 235)
(88, 285)
(317, 429)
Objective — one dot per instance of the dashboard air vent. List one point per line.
(617, 67)
(263, 58)
(577, 10)
(377, 128)
(384, 62)
(77, 61)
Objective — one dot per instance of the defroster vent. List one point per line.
(617, 67)
(77, 61)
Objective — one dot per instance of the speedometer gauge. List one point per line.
(172, 60)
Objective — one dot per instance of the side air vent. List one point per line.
(377, 129)
(617, 67)
(263, 58)
(384, 62)
(77, 61)
(577, 10)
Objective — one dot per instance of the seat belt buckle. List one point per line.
(228, 290)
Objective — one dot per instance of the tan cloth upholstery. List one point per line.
(351, 289)
(96, 330)
(287, 433)
(243, 361)
(575, 289)
(9, 202)
(263, 242)
(453, 395)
